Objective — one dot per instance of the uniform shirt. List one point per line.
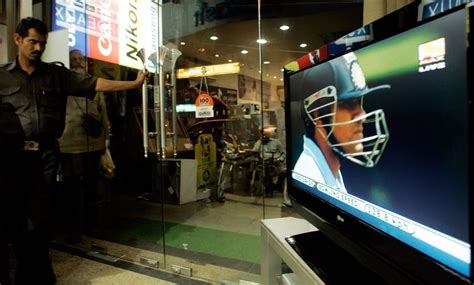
(271, 149)
(33, 106)
(312, 164)
(75, 138)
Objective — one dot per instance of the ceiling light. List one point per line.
(201, 49)
(244, 51)
(303, 45)
(182, 43)
(217, 55)
(214, 38)
(262, 41)
(230, 60)
(284, 28)
(266, 62)
(274, 77)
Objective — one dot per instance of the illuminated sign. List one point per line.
(209, 70)
(431, 55)
(110, 30)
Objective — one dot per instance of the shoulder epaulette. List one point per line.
(58, 63)
(2, 65)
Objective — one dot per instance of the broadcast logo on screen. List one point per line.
(431, 55)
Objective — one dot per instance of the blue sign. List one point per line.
(429, 8)
(71, 15)
(350, 40)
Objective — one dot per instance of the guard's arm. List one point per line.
(106, 85)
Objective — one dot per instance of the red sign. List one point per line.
(204, 100)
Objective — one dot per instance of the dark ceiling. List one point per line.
(314, 22)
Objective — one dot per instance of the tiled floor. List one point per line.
(75, 265)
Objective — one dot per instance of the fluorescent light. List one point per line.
(214, 38)
(262, 41)
(266, 62)
(284, 27)
(185, 108)
(303, 45)
(244, 51)
(182, 43)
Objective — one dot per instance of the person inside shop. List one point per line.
(228, 145)
(271, 151)
(335, 123)
(84, 141)
(33, 96)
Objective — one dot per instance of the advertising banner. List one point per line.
(110, 30)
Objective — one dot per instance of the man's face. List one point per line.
(76, 60)
(32, 46)
(347, 111)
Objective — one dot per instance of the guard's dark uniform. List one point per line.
(32, 111)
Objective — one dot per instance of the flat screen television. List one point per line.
(379, 142)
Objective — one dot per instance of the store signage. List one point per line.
(204, 106)
(360, 35)
(429, 8)
(208, 70)
(110, 30)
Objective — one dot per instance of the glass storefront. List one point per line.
(192, 202)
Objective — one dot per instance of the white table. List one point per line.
(275, 249)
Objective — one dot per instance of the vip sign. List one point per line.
(110, 30)
(204, 106)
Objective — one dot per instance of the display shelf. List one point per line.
(276, 249)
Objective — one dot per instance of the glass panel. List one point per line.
(291, 31)
(110, 208)
(194, 204)
(212, 225)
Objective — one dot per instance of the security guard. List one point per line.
(32, 109)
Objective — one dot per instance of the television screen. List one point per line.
(382, 133)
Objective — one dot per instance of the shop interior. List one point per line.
(183, 201)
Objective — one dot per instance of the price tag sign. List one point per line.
(204, 106)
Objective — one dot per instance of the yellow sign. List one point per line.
(205, 155)
(209, 70)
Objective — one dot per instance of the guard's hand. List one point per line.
(141, 76)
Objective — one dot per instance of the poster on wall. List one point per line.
(227, 95)
(110, 30)
(250, 89)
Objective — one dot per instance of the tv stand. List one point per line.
(276, 249)
(313, 258)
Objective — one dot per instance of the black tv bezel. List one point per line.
(395, 261)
